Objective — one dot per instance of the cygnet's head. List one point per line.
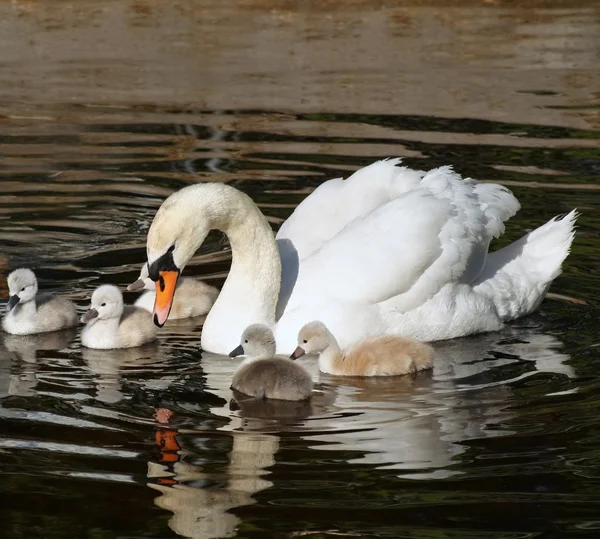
(313, 338)
(143, 282)
(107, 302)
(257, 341)
(22, 287)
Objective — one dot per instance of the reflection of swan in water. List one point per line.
(108, 367)
(417, 425)
(24, 348)
(200, 502)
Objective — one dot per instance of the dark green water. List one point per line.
(503, 438)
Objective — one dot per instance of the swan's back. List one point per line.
(415, 234)
(273, 378)
(337, 202)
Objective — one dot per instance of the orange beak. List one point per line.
(165, 290)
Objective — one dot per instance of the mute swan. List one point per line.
(386, 355)
(265, 376)
(111, 324)
(192, 297)
(389, 250)
(30, 312)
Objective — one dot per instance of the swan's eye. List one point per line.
(23, 289)
(103, 305)
(246, 341)
(304, 341)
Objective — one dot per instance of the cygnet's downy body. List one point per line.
(388, 355)
(30, 312)
(263, 375)
(192, 297)
(111, 324)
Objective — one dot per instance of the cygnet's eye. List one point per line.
(304, 341)
(246, 341)
(103, 305)
(23, 288)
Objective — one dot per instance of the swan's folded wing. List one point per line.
(498, 205)
(336, 203)
(383, 255)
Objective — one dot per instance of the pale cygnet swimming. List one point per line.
(192, 296)
(387, 355)
(263, 375)
(30, 312)
(111, 324)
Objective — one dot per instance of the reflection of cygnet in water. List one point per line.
(250, 407)
(24, 348)
(204, 513)
(29, 312)
(263, 375)
(108, 365)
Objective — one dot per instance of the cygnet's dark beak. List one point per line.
(298, 352)
(12, 302)
(89, 315)
(136, 285)
(239, 351)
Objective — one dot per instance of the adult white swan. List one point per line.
(388, 250)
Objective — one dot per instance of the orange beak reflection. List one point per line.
(165, 290)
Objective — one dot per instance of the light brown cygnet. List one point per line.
(387, 355)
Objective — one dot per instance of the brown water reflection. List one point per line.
(529, 62)
(107, 107)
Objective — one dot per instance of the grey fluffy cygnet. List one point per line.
(263, 375)
(30, 312)
(111, 324)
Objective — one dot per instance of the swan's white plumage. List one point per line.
(388, 250)
(335, 203)
(518, 276)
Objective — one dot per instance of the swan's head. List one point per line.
(22, 287)
(107, 302)
(143, 282)
(180, 226)
(313, 338)
(257, 341)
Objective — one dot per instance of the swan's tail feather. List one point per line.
(518, 276)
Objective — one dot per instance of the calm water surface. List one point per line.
(106, 108)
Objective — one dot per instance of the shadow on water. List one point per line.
(500, 440)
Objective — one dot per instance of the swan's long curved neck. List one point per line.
(251, 290)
